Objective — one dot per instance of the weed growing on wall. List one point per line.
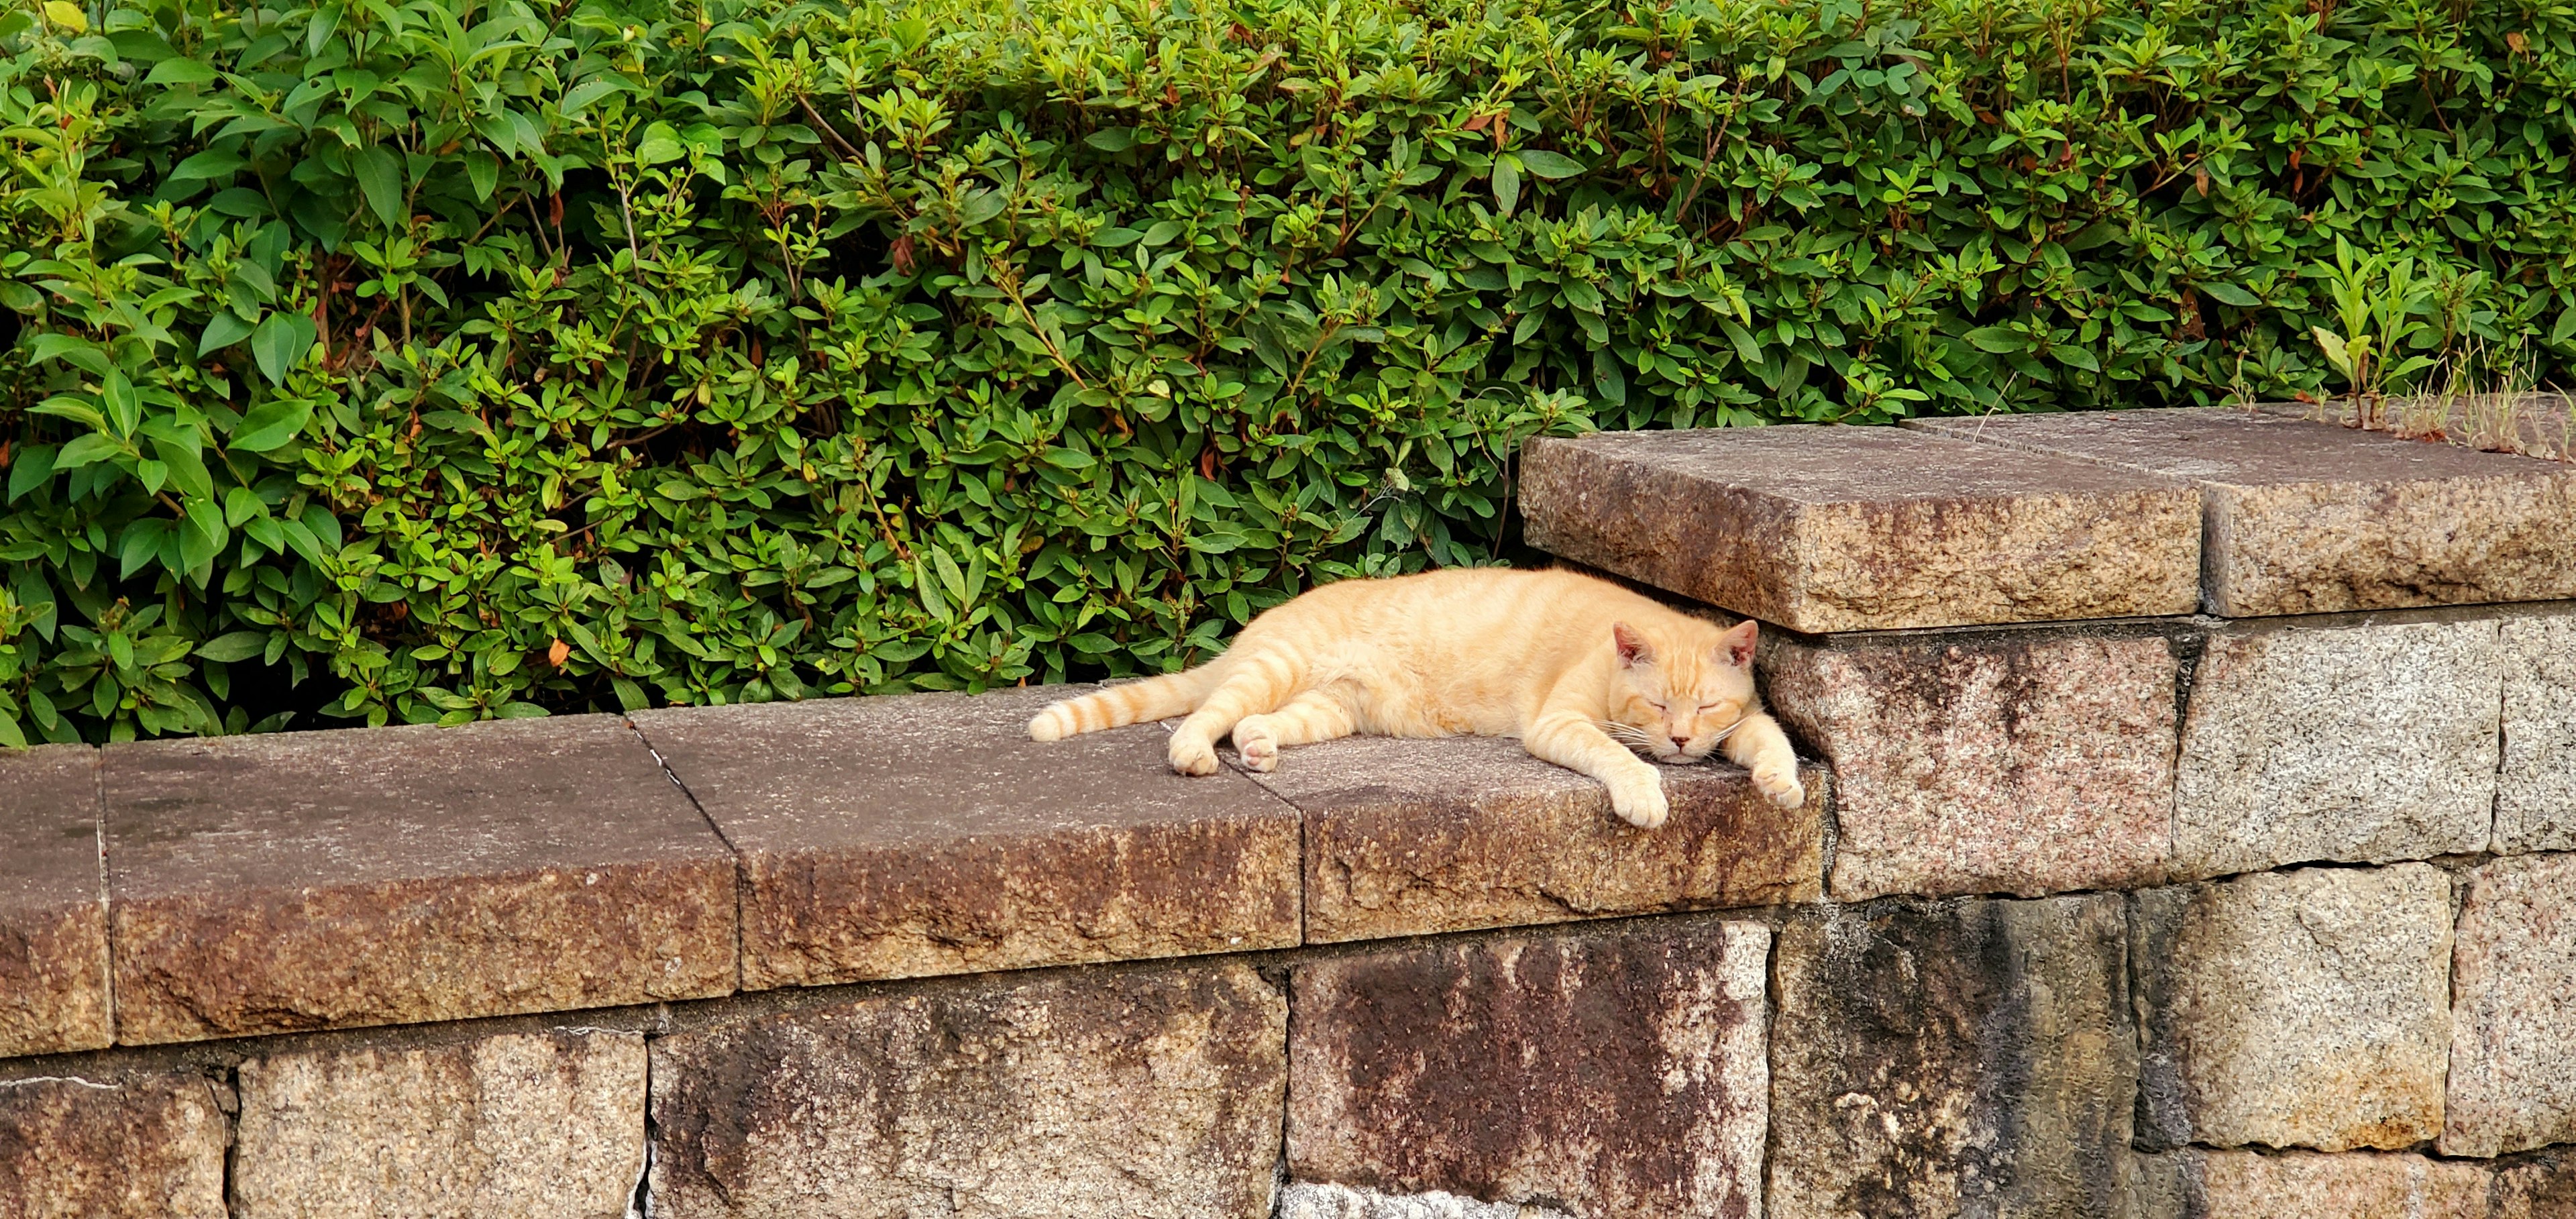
(436, 361)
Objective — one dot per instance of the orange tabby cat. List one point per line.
(1584, 672)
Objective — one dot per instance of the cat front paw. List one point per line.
(1780, 785)
(1641, 804)
(1260, 753)
(1193, 757)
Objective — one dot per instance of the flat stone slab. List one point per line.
(2513, 1015)
(403, 875)
(2364, 743)
(53, 903)
(1965, 1057)
(146, 1146)
(1616, 1074)
(2307, 517)
(1306, 1200)
(1414, 837)
(2536, 784)
(2296, 1009)
(2354, 1185)
(1821, 528)
(927, 834)
(2022, 761)
(1137, 1093)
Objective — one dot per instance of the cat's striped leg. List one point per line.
(1315, 715)
(1759, 746)
(1571, 740)
(1253, 684)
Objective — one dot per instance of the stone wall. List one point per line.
(2225, 913)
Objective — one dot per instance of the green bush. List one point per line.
(446, 360)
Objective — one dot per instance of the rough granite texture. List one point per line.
(2306, 1185)
(143, 1147)
(2536, 785)
(2363, 744)
(518, 1126)
(2513, 1012)
(2308, 517)
(1616, 1074)
(1143, 1094)
(2539, 1186)
(1839, 529)
(906, 837)
(2296, 1009)
(1305, 1200)
(1410, 837)
(2025, 761)
(313, 880)
(2532, 424)
(1953, 1058)
(53, 904)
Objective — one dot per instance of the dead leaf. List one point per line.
(2200, 182)
(557, 652)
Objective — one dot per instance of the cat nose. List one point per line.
(1681, 742)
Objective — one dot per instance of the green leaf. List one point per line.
(1507, 183)
(210, 164)
(223, 330)
(124, 410)
(232, 646)
(380, 178)
(33, 468)
(1550, 165)
(2001, 340)
(1111, 139)
(78, 352)
(580, 96)
(87, 449)
(483, 170)
(180, 72)
(2230, 294)
(660, 144)
(271, 424)
(280, 343)
(68, 16)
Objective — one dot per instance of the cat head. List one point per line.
(1680, 688)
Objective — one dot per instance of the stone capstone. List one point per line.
(142, 1147)
(2296, 1009)
(1953, 1058)
(1608, 1073)
(2366, 743)
(1843, 528)
(1413, 837)
(518, 1126)
(2308, 517)
(1141, 1094)
(927, 834)
(2022, 761)
(53, 904)
(2513, 1012)
(308, 880)
(2536, 785)
(2354, 1185)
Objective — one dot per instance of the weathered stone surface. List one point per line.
(927, 834)
(1937, 1059)
(2513, 1013)
(2541, 1186)
(2296, 1009)
(517, 1126)
(1842, 529)
(2536, 785)
(2364, 744)
(1306, 1200)
(2022, 761)
(1407, 837)
(145, 1147)
(2308, 517)
(53, 904)
(1608, 1072)
(399, 875)
(1134, 1093)
(2354, 1185)
(2532, 424)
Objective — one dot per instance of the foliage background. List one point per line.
(467, 358)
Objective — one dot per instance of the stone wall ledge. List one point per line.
(2055, 517)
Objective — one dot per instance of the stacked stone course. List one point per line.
(2191, 832)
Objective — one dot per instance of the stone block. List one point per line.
(1141, 1094)
(1612, 1073)
(1964, 1057)
(138, 1147)
(2308, 517)
(1843, 529)
(2023, 761)
(2513, 1010)
(402, 875)
(2296, 1009)
(2353, 1185)
(2536, 785)
(2359, 743)
(1306, 1200)
(2541, 1186)
(53, 903)
(517, 1126)
(927, 834)
(1410, 837)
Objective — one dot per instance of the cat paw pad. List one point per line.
(1644, 807)
(1193, 760)
(1260, 754)
(1780, 787)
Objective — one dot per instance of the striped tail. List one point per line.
(1133, 702)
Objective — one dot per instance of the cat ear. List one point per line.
(1632, 646)
(1736, 646)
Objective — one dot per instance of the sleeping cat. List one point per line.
(1587, 674)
